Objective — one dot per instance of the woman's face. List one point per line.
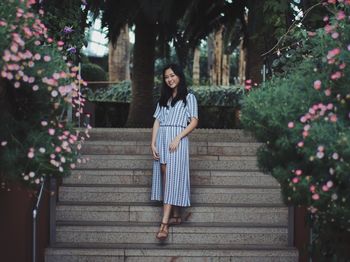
(171, 79)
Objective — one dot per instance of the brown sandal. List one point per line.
(175, 220)
(163, 233)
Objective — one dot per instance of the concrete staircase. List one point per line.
(104, 212)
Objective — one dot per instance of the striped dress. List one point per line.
(177, 183)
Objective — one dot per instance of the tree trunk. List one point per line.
(141, 107)
(210, 42)
(119, 57)
(196, 67)
(225, 80)
(218, 57)
(242, 63)
(256, 41)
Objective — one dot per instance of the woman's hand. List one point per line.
(154, 152)
(174, 144)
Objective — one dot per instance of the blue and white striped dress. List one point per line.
(177, 183)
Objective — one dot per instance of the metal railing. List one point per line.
(35, 213)
(291, 221)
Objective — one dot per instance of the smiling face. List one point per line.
(171, 79)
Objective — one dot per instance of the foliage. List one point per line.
(65, 21)
(93, 72)
(206, 95)
(37, 87)
(303, 116)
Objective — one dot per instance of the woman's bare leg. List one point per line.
(166, 208)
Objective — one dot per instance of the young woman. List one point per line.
(175, 117)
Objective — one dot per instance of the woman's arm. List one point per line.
(191, 126)
(154, 136)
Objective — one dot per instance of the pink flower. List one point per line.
(58, 149)
(332, 1)
(335, 156)
(44, 123)
(300, 144)
(327, 92)
(342, 66)
(298, 172)
(35, 87)
(290, 125)
(317, 84)
(330, 106)
(320, 148)
(47, 58)
(329, 184)
(320, 155)
(312, 189)
(341, 15)
(328, 28)
(326, 18)
(335, 35)
(325, 188)
(303, 119)
(3, 143)
(60, 43)
(313, 210)
(336, 75)
(332, 53)
(295, 180)
(315, 196)
(333, 118)
(51, 131)
(305, 133)
(30, 154)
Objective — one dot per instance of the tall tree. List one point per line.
(255, 40)
(183, 21)
(225, 75)
(196, 67)
(119, 57)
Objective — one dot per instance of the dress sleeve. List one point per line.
(157, 112)
(192, 107)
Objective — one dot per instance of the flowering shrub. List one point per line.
(304, 118)
(37, 86)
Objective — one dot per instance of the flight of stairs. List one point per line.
(104, 212)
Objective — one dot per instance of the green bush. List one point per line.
(303, 118)
(37, 87)
(220, 96)
(93, 72)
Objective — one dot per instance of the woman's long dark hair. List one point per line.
(166, 92)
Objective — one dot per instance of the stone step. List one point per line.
(185, 234)
(225, 195)
(169, 253)
(131, 212)
(144, 177)
(145, 134)
(196, 148)
(103, 162)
